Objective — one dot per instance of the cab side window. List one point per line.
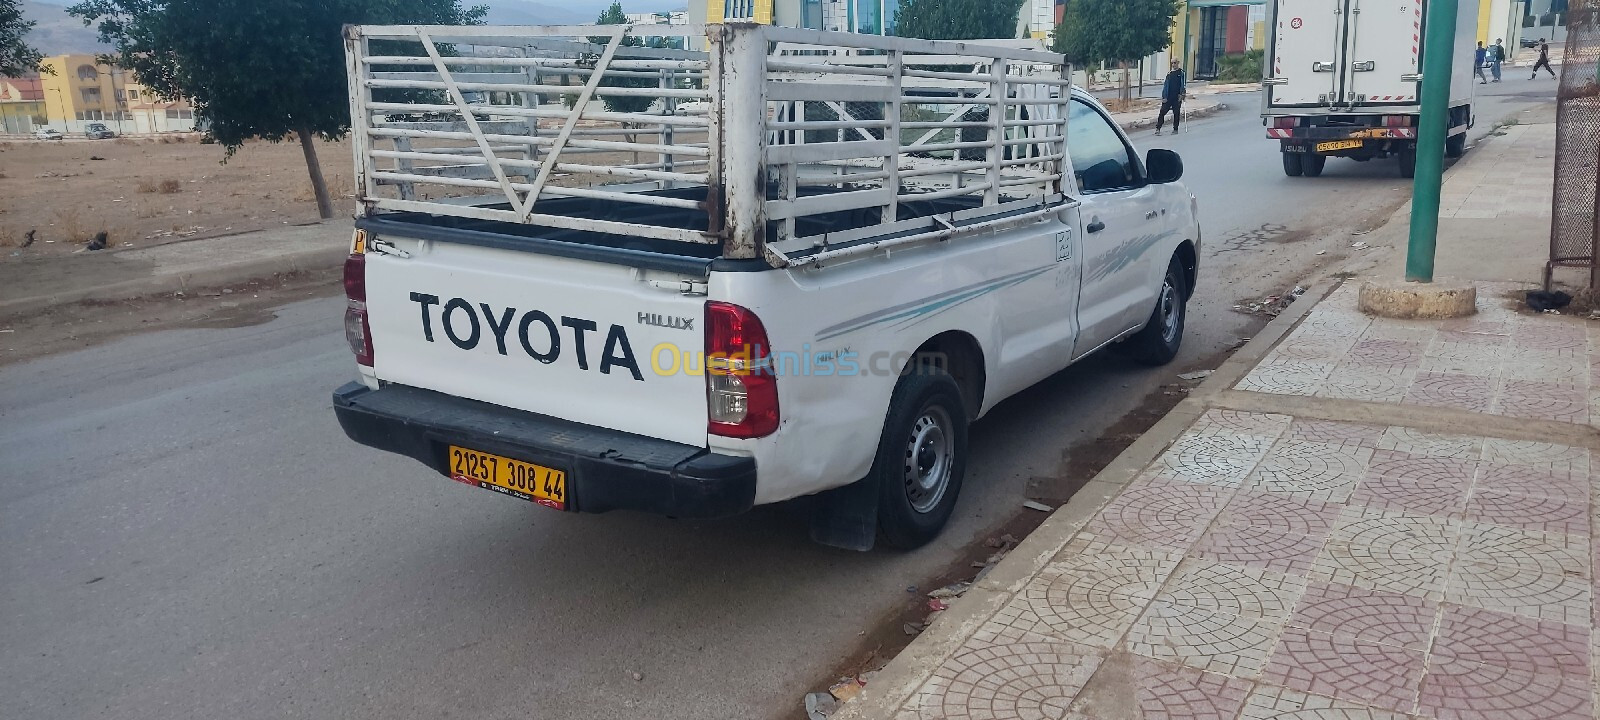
(1100, 159)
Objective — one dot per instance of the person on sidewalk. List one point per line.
(1479, 59)
(1172, 91)
(1544, 60)
(1497, 55)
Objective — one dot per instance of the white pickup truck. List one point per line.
(861, 246)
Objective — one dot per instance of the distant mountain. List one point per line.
(57, 33)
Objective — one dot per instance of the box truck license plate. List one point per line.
(1338, 145)
(534, 483)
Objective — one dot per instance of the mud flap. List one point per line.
(847, 517)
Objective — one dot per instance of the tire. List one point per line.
(922, 457)
(1313, 164)
(1292, 164)
(1408, 163)
(1456, 145)
(1162, 336)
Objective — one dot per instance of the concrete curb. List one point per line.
(899, 681)
(321, 258)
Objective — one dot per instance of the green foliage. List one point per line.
(614, 16)
(253, 69)
(1242, 67)
(957, 19)
(1114, 31)
(16, 57)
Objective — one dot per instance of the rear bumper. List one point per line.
(1321, 133)
(606, 469)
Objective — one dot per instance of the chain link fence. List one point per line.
(1575, 226)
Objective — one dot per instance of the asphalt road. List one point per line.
(184, 531)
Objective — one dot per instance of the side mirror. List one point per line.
(1163, 166)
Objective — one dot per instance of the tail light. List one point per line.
(741, 389)
(357, 331)
(1284, 122)
(1397, 120)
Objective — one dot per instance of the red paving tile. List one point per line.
(1511, 641)
(1422, 468)
(1460, 690)
(1384, 617)
(1532, 513)
(1159, 513)
(1281, 513)
(1162, 692)
(1463, 392)
(1345, 668)
(1411, 494)
(1260, 547)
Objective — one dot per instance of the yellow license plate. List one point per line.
(536, 483)
(1338, 145)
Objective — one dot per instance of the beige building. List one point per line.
(82, 90)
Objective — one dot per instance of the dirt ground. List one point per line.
(145, 191)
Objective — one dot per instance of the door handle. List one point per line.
(1095, 227)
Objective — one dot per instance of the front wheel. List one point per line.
(1158, 342)
(922, 457)
(1292, 164)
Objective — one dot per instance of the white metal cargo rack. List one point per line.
(749, 146)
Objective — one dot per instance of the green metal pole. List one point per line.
(1438, 50)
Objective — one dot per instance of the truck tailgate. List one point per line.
(562, 337)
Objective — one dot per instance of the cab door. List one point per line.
(1120, 224)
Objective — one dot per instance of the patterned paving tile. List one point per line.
(1259, 547)
(1271, 702)
(1346, 383)
(1384, 676)
(1462, 392)
(1098, 621)
(1511, 641)
(1280, 512)
(1413, 494)
(1384, 353)
(1416, 442)
(1529, 513)
(1521, 591)
(1532, 481)
(1478, 367)
(1526, 365)
(1238, 422)
(1546, 456)
(1529, 549)
(1316, 471)
(1159, 513)
(1219, 459)
(1233, 589)
(1158, 691)
(1265, 379)
(1457, 690)
(1211, 641)
(1335, 433)
(1089, 594)
(1541, 408)
(1383, 617)
(1365, 567)
(1388, 533)
(1024, 680)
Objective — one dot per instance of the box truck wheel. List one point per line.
(922, 456)
(1292, 165)
(1408, 162)
(1456, 145)
(1312, 165)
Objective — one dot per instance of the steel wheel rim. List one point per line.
(1169, 311)
(928, 455)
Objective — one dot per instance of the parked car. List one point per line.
(1531, 42)
(98, 131)
(47, 133)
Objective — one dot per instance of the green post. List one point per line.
(1438, 51)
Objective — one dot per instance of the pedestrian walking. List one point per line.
(1544, 60)
(1497, 55)
(1479, 60)
(1172, 91)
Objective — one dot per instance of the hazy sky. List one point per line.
(585, 5)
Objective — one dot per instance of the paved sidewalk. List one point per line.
(1352, 518)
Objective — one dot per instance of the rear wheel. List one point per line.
(1408, 163)
(1292, 165)
(922, 457)
(1158, 342)
(1456, 145)
(1313, 164)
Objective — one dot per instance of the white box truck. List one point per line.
(564, 291)
(1342, 78)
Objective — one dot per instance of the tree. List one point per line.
(617, 103)
(254, 69)
(1114, 31)
(957, 19)
(16, 57)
